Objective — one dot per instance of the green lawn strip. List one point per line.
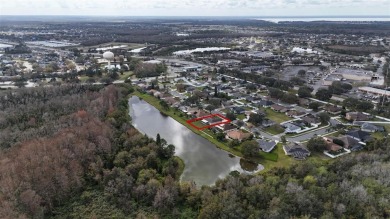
(292, 91)
(333, 134)
(125, 75)
(264, 93)
(275, 116)
(272, 156)
(378, 135)
(83, 78)
(225, 110)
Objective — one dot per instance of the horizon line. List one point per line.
(243, 16)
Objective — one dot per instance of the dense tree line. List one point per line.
(259, 79)
(282, 95)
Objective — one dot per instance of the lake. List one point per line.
(2, 46)
(204, 162)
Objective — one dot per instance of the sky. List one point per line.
(197, 7)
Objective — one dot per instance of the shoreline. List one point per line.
(266, 163)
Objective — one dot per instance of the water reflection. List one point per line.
(204, 163)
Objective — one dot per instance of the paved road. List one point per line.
(318, 132)
(272, 137)
(192, 84)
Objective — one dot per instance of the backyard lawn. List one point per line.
(387, 127)
(125, 75)
(241, 116)
(282, 159)
(378, 135)
(275, 116)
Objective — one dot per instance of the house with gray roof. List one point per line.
(291, 128)
(267, 123)
(296, 150)
(359, 135)
(266, 146)
(368, 127)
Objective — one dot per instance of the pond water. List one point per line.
(204, 162)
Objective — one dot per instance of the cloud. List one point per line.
(195, 6)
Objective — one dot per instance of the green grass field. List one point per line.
(378, 135)
(241, 116)
(282, 159)
(125, 75)
(275, 116)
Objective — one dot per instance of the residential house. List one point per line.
(253, 99)
(266, 146)
(171, 101)
(238, 110)
(264, 103)
(226, 104)
(201, 94)
(298, 151)
(368, 127)
(238, 135)
(303, 102)
(349, 142)
(157, 94)
(359, 135)
(300, 123)
(291, 128)
(333, 110)
(295, 114)
(190, 89)
(331, 146)
(196, 113)
(212, 120)
(267, 123)
(177, 94)
(279, 108)
(357, 116)
(261, 112)
(226, 127)
(226, 91)
(235, 95)
(311, 120)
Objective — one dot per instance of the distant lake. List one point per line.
(206, 49)
(309, 19)
(204, 162)
(138, 50)
(302, 50)
(2, 46)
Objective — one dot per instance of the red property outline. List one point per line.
(191, 121)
